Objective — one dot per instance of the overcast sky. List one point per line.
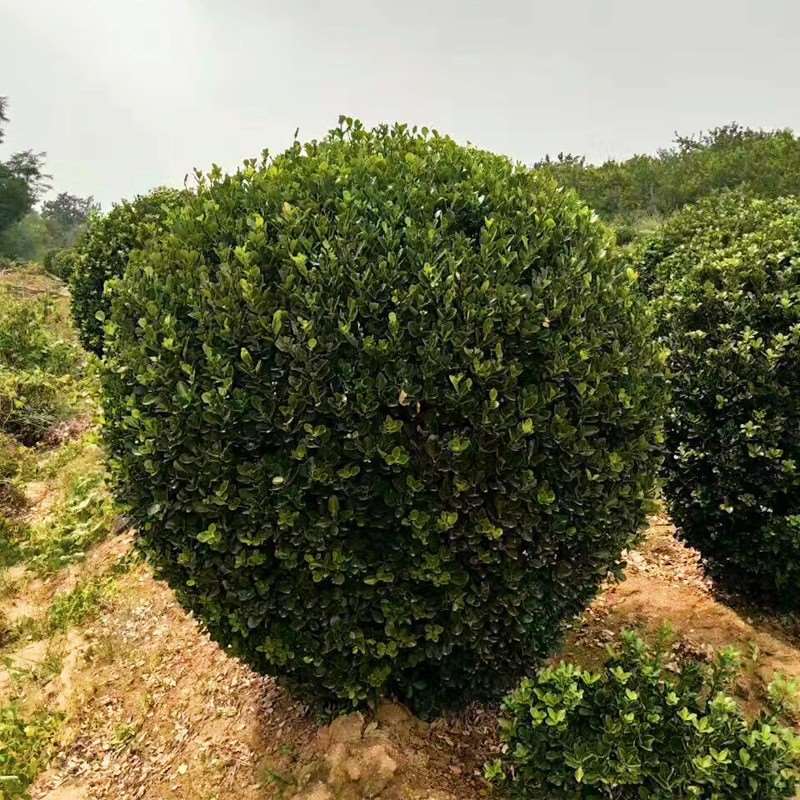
(128, 94)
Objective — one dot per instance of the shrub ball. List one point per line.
(102, 252)
(385, 410)
(730, 315)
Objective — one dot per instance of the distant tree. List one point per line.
(27, 240)
(25, 233)
(3, 116)
(723, 136)
(69, 210)
(29, 167)
(22, 179)
(65, 217)
(22, 182)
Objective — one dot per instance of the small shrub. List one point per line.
(31, 403)
(27, 338)
(384, 411)
(60, 263)
(40, 372)
(102, 251)
(638, 730)
(25, 747)
(730, 315)
(784, 694)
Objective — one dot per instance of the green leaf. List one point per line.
(545, 496)
(458, 444)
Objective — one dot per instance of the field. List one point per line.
(108, 689)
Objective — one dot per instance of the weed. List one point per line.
(78, 605)
(281, 783)
(25, 746)
(12, 533)
(23, 628)
(70, 459)
(784, 694)
(36, 672)
(83, 520)
(124, 733)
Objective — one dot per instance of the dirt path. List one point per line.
(157, 710)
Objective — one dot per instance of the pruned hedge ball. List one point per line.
(385, 410)
(102, 252)
(730, 315)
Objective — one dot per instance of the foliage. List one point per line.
(102, 253)
(690, 235)
(3, 116)
(25, 747)
(637, 730)
(385, 412)
(730, 273)
(729, 157)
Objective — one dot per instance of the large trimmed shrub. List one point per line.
(730, 271)
(384, 411)
(102, 252)
(636, 729)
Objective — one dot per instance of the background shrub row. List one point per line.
(725, 276)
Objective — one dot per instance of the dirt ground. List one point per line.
(154, 709)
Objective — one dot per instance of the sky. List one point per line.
(125, 95)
